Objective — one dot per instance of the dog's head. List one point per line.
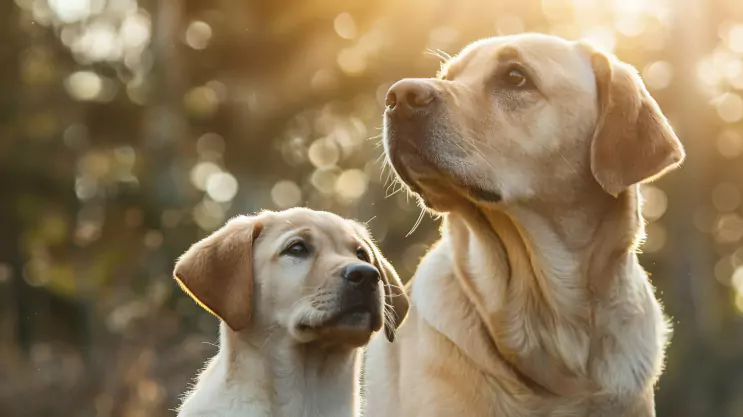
(530, 116)
(315, 274)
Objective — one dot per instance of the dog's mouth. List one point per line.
(435, 179)
(349, 324)
(360, 317)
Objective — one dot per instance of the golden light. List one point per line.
(345, 26)
(209, 145)
(99, 41)
(86, 188)
(602, 37)
(324, 179)
(221, 187)
(656, 238)
(324, 153)
(198, 35)
(508, 24)
(125, 157)
(729, 228)
(729, 107)
(351, 184)
(70, 11)
(6, 273)
(351, 61)
(734, 38)
(726, 196)
(442, 38)
(153, 239)
(654, 202)
(96, 164)
(84, 85)
(737, 257)
(736, 279)
(201, 173)
(739, 302)
(208, 214)
(657, 75)
(286, 194)
(201, 101)
(135, 31)
(730, 143)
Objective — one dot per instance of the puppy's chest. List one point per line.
(313, 407)
(312, 398)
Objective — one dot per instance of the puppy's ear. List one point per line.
(395, 299)
(633, 141)
(217, 271)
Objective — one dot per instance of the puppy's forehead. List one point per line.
(317, 222)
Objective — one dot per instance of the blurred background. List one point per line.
(130, 129)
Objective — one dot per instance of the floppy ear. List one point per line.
(217, 271)
(633, 141)
(395, 299)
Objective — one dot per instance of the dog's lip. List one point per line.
(481, 194)
(407, 149)
(336, 317)
(348, 312)
(400, 158)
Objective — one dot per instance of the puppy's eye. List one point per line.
(516, 78)
(361, 254)
(296, 249)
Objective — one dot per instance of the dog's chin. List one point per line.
(351, 328)
(438, 187)
(433, 178)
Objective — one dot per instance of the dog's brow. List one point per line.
(303, 232)
(454, 67)
(508, 53)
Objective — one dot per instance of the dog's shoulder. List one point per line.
(215, 395)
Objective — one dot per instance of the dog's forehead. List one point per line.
(540, 51)
(319, 223)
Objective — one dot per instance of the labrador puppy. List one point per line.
(533, 302)
(298, 293)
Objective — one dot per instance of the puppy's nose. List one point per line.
(361, 274)
(409, 94)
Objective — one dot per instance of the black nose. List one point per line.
(359, 274)
(409, 94)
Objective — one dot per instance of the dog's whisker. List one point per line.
(375, 136)
(393, 192)
(417, 222)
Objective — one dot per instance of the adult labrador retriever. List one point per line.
(298, 293)
(533, 302)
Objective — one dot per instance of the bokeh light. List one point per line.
(198, 35)
(286, 194)
(345, 26)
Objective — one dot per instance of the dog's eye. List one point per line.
(516, 78)
(296, 249)
(361, 254)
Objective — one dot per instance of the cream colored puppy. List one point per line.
(298, 293)
(533, 302)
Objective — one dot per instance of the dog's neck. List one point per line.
(286, 378)
(305, 379)
(538, 269)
